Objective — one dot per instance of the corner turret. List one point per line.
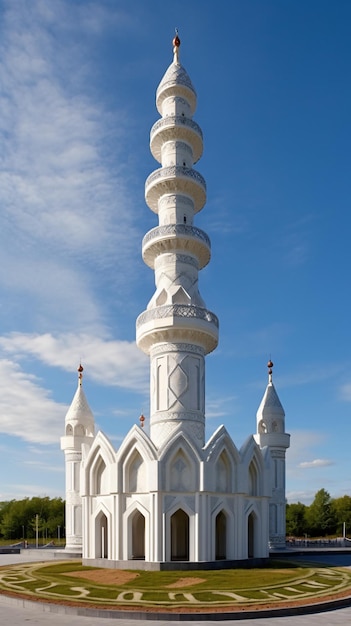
(271, 434)
(79, 429)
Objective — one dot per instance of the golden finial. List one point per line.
(176, 44)
(80, 373)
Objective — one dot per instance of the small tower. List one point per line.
(79, 429)
(271, 434)
(176, 330)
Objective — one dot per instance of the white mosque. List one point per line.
(167, 499)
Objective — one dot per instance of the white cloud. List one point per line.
(63, 181)
(26, 409)
(315, 463)
(108, 361)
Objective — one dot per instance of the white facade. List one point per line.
(167, 498)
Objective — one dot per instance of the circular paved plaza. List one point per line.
(18, 611)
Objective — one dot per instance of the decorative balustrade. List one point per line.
(175, 171)
(176, 230)
(176, 120)
(177, 310)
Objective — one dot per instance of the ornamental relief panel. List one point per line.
(177, 347)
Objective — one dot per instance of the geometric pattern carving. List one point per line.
(177, 384)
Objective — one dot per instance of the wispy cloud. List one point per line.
(25, 407)
(315, 463)
(109, 361)
(62, 186)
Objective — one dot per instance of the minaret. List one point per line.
(79, 429)
(271, 433)
(176, 330)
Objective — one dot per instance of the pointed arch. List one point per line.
(133, 460)
(174, 525)
(223, 474)
(223, 460)
(100, 481)
(254, 468)
(253, 528)
(253, 479)
(135, 471)
(221, 536)
(251, 521)
(102, 529)
(98, 461)
(138, 535)
(179, 466)
(136, 528)
(179, 536)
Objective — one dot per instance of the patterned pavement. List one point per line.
(18, 612)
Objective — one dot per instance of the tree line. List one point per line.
(21, 519)
(325, 516)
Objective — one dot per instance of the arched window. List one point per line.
(136, 475)
(253, 479)
(221, 536)
(251, 536)
(180, 536)
(223, 476)
(101, 537)
(138, 536)
(100, 477)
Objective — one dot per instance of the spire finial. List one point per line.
(176, 44)
(270, 370)
(80, 373)
(142, 420)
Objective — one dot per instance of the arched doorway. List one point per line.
(251, 536)
(138, 536)
(221, 536)
(180, 536)
(101, 537)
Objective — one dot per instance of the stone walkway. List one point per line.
(17, 612)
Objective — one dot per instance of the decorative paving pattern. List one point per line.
(70, 583)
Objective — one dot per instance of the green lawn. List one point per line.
(278, 583)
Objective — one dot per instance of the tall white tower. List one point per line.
(79, 429)
(271, 433)
(176, 330)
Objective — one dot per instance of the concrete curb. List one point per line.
(308, 609)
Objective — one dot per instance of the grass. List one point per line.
(280, 582)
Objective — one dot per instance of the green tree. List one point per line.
(342, 511)
(18, 518)
(320, 515)
(296, 524)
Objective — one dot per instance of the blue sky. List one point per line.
(77, 101)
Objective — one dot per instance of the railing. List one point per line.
(175, 171)
(177, 310)
(176, 229)
(176, 120)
